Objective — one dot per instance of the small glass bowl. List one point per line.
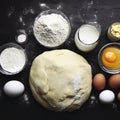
(48, 12)
(12, 45)
(113, 44)
(110, 35)
(21, 36)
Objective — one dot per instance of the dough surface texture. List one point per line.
(60, 80)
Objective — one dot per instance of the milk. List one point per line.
(86, 37)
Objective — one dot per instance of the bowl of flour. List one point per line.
(13, 59)
(51, 28)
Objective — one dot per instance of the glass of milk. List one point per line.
(87, 35)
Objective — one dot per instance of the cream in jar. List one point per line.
(114, 32)
(86, 37)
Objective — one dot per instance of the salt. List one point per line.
(12, 60)
(21, 38)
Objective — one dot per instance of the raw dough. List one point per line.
(60, 80)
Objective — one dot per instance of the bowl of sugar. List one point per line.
(13, 59)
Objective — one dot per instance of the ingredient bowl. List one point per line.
(109, 58)
(13, 59)
(51, 28)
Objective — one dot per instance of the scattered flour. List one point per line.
(11, 11)
(60, 6)
(76, 83)
(44, 5)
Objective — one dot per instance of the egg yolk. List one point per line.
(110, 56)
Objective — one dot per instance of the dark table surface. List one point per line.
(19, 15)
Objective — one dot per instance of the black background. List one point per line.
(20, 15)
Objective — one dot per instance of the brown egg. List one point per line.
(114, 81)
(118, 96)
(99, 81)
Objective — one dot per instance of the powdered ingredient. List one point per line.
(21, 38)
(51, 30)
(12, 59)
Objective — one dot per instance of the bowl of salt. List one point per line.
(13, 59)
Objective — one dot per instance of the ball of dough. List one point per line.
(60, 80)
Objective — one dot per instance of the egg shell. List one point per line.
(118, 96)
(106, 96)
(13, 88)
(114, 81)
(99, 81)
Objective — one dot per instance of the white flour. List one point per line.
(51, 30)
(12, 60)
(76, 83)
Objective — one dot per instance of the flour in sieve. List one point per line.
(51, 30)
(12, 59)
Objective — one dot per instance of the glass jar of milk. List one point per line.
(86, 37)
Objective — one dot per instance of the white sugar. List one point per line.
(12, 59)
